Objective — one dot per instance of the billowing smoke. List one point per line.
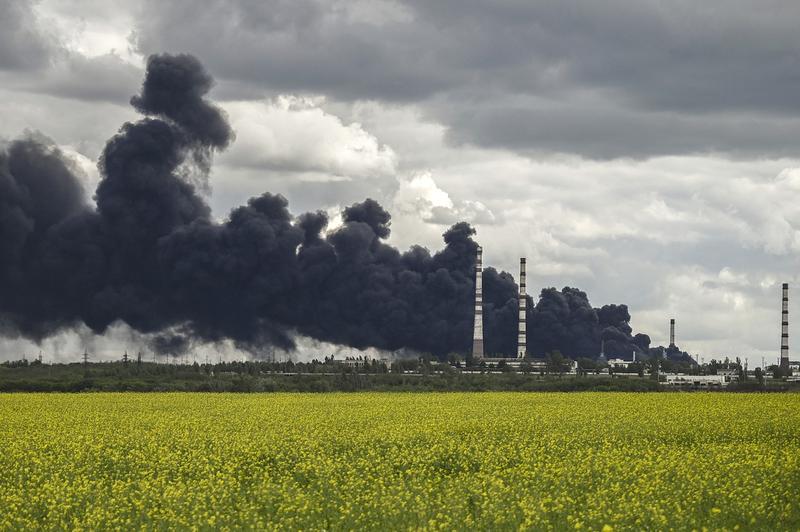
(149, 254)
(565, 321)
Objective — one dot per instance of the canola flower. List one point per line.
(372, 461)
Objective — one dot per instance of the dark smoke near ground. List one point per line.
(149, 254)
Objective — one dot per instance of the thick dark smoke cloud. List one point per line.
(565, 321)
(174, 88)
(170, 344)
(149, 254)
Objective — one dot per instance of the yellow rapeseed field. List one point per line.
(487, 461)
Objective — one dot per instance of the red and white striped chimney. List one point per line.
(785, 327)
(522, 349)
(672, 332)
(477, 331)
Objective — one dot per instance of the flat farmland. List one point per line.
(382, 461)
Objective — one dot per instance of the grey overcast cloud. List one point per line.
(646, 152)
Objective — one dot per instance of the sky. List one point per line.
(645, 152)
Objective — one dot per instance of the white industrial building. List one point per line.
(618, 363)
(695, 381)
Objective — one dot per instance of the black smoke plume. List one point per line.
(149, 254)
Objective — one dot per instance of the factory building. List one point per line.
(619, 363)
(695, 381)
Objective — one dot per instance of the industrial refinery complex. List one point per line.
(668, 366)
(786, 368)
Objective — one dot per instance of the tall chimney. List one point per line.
(672, 332)
(522, 349)
(785, 328)
(477, 331)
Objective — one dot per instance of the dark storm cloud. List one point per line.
(286, 45)
(636, 74)
(35, 58)
(151, 256)
(24, 44)
(600, 130)
(105, 78)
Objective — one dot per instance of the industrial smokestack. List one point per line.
(785, 327)
(672, 332)
(522, 337)
(477, 332)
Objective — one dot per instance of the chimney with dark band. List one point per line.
(521, 339)
(477, 332)
(785, 328)
(672, 332)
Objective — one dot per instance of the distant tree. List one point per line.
(405, 364)
(556, 362)
(586, 365)
(740, 370)
(455, 359)
(759, 374)
(653, 365)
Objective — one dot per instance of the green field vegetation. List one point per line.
(400, 461)
(264, 377)
(259, 376)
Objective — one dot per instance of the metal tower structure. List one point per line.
(522, 349)
(785, 327)
(477, 331)
(672, 332)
